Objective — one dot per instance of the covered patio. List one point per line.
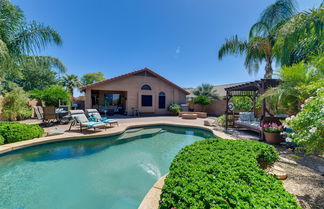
(109, 102)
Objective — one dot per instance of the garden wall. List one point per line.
(217, 107)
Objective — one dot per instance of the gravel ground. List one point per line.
(305, 180)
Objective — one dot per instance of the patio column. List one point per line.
(88, 99)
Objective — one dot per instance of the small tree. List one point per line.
(52, 96)
(90, 78)
(207, 90)
(202, 100)
(15, 103)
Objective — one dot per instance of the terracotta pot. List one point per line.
(272, 138)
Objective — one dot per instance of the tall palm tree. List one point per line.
(70, 82)
(259, 47)
(207, 90)
(21, 41)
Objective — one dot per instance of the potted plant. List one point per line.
(272, 132)
(174, 109)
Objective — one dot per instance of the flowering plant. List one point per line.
(272, 127)
(308, 124)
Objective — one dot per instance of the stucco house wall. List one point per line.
(132, 86)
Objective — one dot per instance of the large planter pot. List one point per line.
(272, 138)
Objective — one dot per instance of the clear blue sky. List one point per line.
(178, 39)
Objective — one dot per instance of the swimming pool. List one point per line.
(111, 172)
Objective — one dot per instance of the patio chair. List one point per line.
(79, 118)
(97, 117)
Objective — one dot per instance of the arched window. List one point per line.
(146, 87)
(161, 100)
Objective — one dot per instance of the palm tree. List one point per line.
(70, 82)
(21, 41)
(301, 37)
(262, 37)
(207, 90)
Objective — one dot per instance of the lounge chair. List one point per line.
(93, 113)
(79, 118)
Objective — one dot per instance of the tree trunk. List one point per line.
(268, 70)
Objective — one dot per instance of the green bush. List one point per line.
(52, 96)
(15, 104)
(219, 173)
(221, 120)
(308, 124)
(14, 132)
(174, 108)
(2, 140)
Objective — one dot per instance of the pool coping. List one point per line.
(110, 132)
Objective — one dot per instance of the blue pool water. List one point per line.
(112, 172)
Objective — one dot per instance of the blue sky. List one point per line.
(178, 39)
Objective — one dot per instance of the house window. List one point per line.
(147, 100)
(112, 99)
(146, 87)
(161, 100)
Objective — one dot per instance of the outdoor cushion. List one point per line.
(244, 117)
(81, 118)
(108, 120)
(94, 124)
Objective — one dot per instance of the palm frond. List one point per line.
(258, 49)
(259, 29)
(232, 46)
(34, 37)
(278, 11)
(44, 61)
(4, 52)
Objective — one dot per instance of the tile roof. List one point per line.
(134, 73)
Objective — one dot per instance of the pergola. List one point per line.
(252, 90)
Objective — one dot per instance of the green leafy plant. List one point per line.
(308, 124)
(242, 103)
(15, 103)
(21, 40)
(221, 120)
(207, 90)
(174, 108)
(220, 173)
(202, 100)
(14, 132)
(52, 96)
(70, 82)
(2, 140)
(90, 78)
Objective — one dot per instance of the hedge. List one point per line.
(219, 173)
(14, 132)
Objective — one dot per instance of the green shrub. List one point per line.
(221, 120)
(2, 140)
(15, 104)
(174, 108)
(308, 124)
(219, 173)
(52, 96)
(14, 132)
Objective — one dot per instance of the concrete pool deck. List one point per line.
(124, 123)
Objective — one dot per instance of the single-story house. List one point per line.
(142, 90)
